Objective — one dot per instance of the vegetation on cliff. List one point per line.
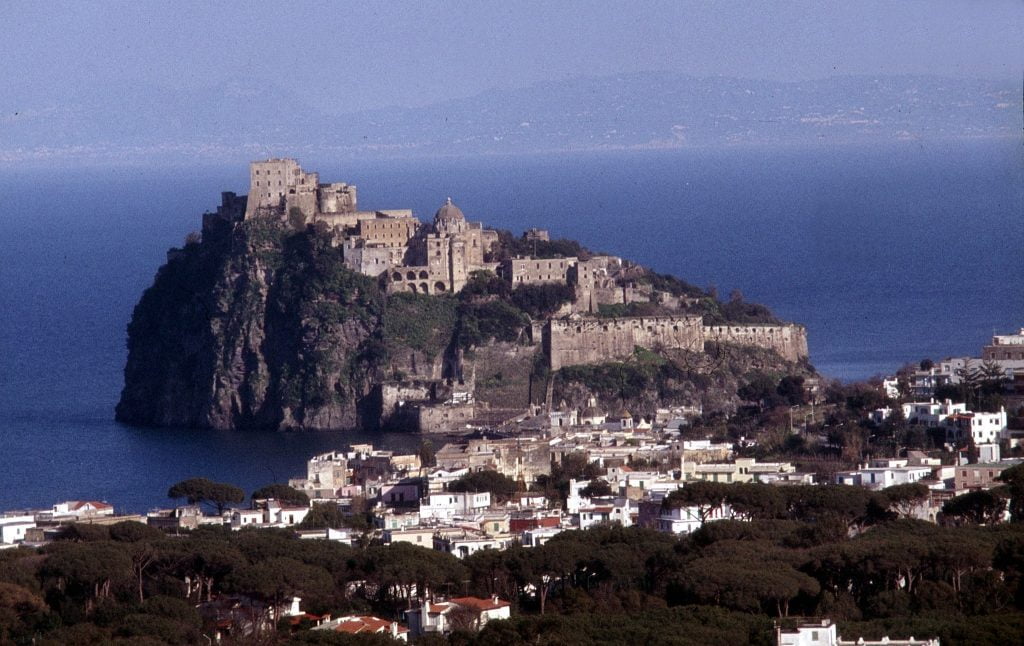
(650, 380)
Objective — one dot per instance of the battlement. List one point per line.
(790, 341)
(577, 341)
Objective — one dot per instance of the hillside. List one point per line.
(259, 325)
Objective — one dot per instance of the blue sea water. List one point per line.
(887, 254)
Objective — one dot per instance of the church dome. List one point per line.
(449, 213)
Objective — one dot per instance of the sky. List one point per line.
(345, 56)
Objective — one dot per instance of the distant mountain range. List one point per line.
(642, 110)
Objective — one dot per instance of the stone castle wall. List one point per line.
(790, 341)
(570, 342)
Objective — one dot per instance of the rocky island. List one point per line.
(293, 309)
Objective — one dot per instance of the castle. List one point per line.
(408, 256)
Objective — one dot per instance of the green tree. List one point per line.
(904, 498)
(427, 453)
(282, 493)
(754, 500)
(87, 572)
(598, 487)
(203, 491)
(277, 579)
(542, 301)
(1014, 479)
(323, 515)
(500, 486)
(983, 507)
(705, 496)
(791, 389)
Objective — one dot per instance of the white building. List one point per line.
(563, 419)
(931, 413)
(13, 528)
(824, 633)
(462, 544)
(891, 387)
(605, 511)
(278, 515)
(246, 517)
(883, 473)
(539, 535)
(981, 428)
(342, 536)
(449, 505)
(442, 618)
(686, 520)
(83, 508)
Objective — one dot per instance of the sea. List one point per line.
(887, 253)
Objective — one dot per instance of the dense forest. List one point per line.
(841, 552)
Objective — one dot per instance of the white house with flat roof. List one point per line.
(13, 528)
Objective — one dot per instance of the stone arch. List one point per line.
(424, 288)
(397, 276)
(412, 287)
(439, 286)
(423, 275)
(410, 275)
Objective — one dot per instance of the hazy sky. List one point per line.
(345, 56)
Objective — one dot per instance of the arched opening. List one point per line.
(397, 276)
(423, 275)
(424, 289)
(411, 275)
(438, 286)
(412, 287)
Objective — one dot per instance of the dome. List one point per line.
(449, 213)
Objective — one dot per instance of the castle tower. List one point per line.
(273, 180)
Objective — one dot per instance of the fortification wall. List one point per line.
(573, 342)
(790, 341)
(446, 418)
(569, 342)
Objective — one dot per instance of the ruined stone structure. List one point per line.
(537, 271)
(576, 341)
(444, 418)
(277, 185)
(790, 341)
(539, 235)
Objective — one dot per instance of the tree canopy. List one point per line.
(282, 493)
(203, 491)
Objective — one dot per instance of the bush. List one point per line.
(542, 301)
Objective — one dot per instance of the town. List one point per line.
(667, 470)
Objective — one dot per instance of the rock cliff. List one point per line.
(261, 327)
